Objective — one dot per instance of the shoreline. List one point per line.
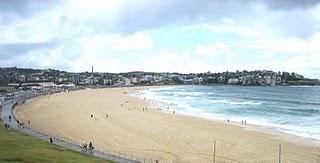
(249, 126)
(134, 110)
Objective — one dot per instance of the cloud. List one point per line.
(288, 45)
(21, 6)
(137, 15)
(170, 61)
(75, 34)
(76, 54)
(8, 51)
(212, 50)
(16, 10)
(289, 4)
(126, 17)
(305, 52)
(114, 42)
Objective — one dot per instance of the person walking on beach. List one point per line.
(245, 122)
(91, 146)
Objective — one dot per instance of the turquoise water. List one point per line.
(294, 110)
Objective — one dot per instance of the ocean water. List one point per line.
(290, 109)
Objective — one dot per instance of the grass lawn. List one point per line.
(18, 147)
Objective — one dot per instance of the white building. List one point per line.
(233, 81)
(127, 81)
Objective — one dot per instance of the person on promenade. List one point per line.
(9, 118)
(7, 126)
(18, 123)
(84, 145)
(51, 140)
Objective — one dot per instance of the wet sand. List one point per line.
(120, 123)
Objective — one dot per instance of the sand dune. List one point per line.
(119, 123)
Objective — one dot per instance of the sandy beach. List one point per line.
(120, 123)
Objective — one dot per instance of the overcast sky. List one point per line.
(161, 35)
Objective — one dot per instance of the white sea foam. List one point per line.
(190, 93)
(229, 102)
(304, 86)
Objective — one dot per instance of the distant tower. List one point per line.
(91, 69)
